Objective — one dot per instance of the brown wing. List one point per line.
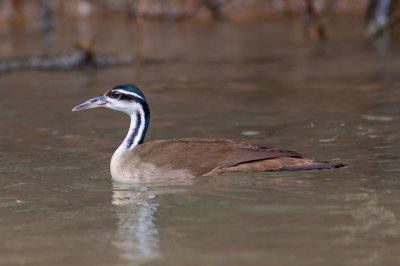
(250, 154)
(202, 156)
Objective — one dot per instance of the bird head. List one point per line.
(126, 98)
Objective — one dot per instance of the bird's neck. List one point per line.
(137, 129)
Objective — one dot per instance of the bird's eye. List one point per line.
(115, 94)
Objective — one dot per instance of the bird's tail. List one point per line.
(314, 165)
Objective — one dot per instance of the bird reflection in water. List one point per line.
(137, 237)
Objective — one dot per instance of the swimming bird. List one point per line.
(180, 158)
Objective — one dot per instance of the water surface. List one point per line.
(258, 82)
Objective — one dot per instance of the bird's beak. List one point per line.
(98, 101)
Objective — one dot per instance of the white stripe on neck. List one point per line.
(136, 130)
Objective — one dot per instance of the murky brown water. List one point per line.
(337, 102)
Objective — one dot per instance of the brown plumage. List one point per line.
(179, 158)
(182, 158)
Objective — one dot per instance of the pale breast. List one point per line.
(126, 167)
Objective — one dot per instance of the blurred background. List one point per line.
(67, 25)
(319, 77)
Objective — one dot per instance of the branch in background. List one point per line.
(370, 13)
(379, 30)
(313, 28)
(139, 36)
(377, 18)
(214, 7)
(83, 56)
